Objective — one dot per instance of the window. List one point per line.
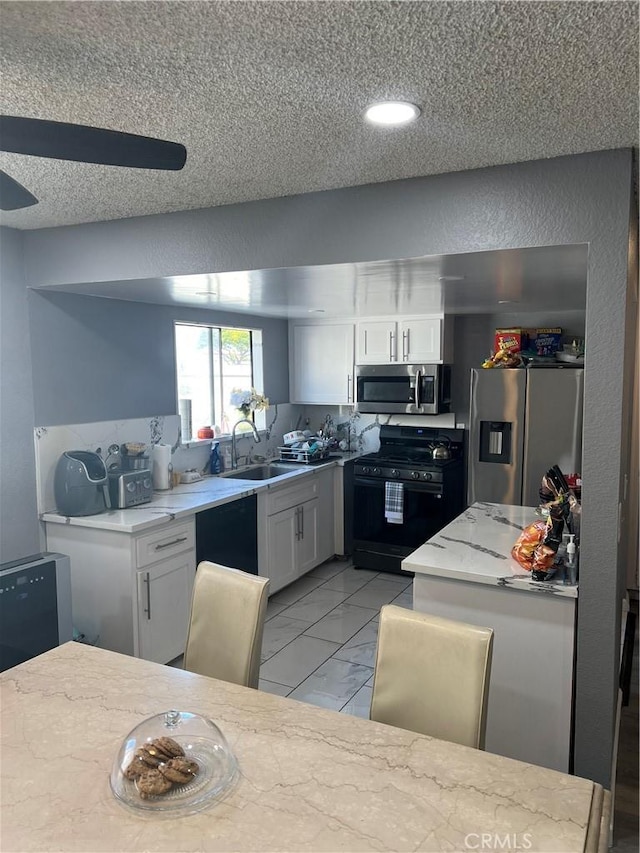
(210, 362)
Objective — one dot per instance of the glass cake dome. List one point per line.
(173, 763)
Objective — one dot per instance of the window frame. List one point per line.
(216, 380)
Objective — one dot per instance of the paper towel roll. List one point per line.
(161, 454)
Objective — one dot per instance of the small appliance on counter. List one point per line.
(130, 488)
(134, 457)
(80, 484)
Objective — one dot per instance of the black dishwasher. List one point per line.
(228, 534)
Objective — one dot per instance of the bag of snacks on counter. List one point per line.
(538, 543)
(524, 549)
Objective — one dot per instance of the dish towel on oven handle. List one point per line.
(394, 502)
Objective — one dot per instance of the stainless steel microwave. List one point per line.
(414, 389)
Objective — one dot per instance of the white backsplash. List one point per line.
(363, 432)
(52, 441)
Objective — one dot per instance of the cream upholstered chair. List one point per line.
(432, 675)
(227, 624)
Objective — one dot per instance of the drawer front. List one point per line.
(164, 543)
(288, 496)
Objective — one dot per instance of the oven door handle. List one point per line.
(434, 489)
(418, 383)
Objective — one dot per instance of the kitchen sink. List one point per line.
(262, 472)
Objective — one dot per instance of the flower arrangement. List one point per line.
(248, 401)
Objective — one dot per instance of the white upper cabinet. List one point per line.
(410, 339)
(321, 363)
(377, 342)
(420, 339)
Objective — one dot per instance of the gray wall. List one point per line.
(581, 199)
(19, 530)
(105, 359)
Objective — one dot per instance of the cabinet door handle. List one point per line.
(405, 345)
(365, 342)
(147, 609)
(298, 522)
(173, 542)
(348, 388)
(392, 355)
(302, 522)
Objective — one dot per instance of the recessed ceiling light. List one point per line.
(392, 112)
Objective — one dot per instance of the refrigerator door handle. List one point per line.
(418, 383)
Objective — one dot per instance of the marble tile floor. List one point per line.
(320, 635)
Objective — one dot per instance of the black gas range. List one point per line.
(407, 468)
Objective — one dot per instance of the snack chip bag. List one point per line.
(530, 538)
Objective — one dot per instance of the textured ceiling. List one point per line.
(268, 96)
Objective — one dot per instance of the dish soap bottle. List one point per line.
(215, 463)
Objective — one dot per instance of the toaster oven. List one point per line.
(130, 488)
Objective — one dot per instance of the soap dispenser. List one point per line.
(571, 560)
(215, 463)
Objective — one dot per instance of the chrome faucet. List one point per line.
(234, 449)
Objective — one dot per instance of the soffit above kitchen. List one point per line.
(268, 97)
(506, 281)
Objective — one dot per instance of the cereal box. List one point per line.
(548, 341)
(511, 340)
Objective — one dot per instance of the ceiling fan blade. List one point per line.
(13, 195)
(61, 141)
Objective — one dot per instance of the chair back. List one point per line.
(227, 623)
(432, 675)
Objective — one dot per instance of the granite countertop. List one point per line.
(310, 779)
(476, 547)
(186, 499)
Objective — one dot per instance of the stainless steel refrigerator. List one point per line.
(522, 421)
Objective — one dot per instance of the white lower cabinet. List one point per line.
(326, 526)
(307, 536)
(297, 537)
(164, 605)
(131, 593)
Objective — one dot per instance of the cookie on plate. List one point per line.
(169, 746)
(180, 770)
(152, 784)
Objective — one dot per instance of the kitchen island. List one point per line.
(310, 779)
(466, 572)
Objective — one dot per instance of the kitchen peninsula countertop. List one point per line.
(476, 547)
(310, 779)
(186, 499)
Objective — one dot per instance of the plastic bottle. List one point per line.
(572, 560)
(227, 458)
(215, 464)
